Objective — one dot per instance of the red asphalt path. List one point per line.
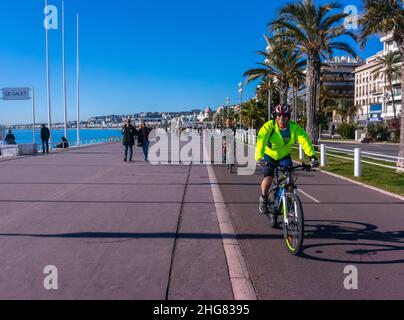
(114, 230)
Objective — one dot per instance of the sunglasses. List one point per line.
(283, 115)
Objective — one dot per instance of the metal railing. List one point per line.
(358, 155)
(81, 143)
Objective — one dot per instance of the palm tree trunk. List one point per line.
(312, 83)
(284, 92)
(400, 163)
(295, 104)
(392, 97)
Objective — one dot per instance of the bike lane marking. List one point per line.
(309, 196)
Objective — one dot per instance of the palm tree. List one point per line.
(388, 65)
(315, 32)
(297, 81)
(326, 99)
(386, 17)
(254, 114)
(346, 108)
(281, 64)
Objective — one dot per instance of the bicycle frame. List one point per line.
(280, 192)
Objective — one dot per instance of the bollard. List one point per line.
(323, 155)
(358, 163)
(301, 155)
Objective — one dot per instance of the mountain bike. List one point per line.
(288, 205)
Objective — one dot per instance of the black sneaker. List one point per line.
(263, 205)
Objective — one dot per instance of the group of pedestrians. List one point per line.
(130, 133)
(45, 137)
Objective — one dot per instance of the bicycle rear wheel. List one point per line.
(293, 230)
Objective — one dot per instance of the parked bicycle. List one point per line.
(286, 203)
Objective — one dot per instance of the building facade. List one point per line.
(372, 92)
(338, 79)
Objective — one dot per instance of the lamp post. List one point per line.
(268, 50)
(241, 91)
(228, 106)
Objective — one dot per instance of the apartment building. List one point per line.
(372, 91)
(338, 78)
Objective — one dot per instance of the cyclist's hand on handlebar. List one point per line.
(261, 163)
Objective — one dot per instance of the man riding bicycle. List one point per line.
(274, 146)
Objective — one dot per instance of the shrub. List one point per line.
(347, 130)
(378, 131)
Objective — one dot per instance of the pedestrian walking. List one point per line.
(45, 136)
(129, 133)
(143, 139)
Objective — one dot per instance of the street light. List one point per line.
(241, 91)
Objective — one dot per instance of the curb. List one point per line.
(394, 195)
(240, 280)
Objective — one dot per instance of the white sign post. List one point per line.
(18, 94)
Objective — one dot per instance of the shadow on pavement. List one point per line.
(362, 243)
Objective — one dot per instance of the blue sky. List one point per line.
(135, 55)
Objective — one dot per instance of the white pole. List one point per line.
(323, 155)
(33, 116)
(78, 84)
(358, 163)
(269, 100)
(48, 80)
(64, 68)
(301, 155)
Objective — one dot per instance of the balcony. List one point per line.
(376, 92)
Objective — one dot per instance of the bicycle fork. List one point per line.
(284, 205)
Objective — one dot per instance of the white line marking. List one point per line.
(309, 196)
(240, 279)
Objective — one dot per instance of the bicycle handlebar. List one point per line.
(303, 167)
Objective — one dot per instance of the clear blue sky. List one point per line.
(136, 55)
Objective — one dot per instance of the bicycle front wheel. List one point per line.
(293, 228)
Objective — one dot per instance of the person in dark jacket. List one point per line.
(129, 133)
(45, 136)
(64, 144)
(10, 138)
(143, 139)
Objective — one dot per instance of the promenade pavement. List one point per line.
(120, 230)
(114, 230)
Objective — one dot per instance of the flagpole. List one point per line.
(64, 68)
(33, 115)
(48, 78)
(78, 83)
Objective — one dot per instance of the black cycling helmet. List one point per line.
(283, 109)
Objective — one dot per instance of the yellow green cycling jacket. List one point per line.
(270, 132)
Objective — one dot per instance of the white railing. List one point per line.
(82, 143)
(357, 158)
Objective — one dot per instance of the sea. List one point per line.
(87, 136)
